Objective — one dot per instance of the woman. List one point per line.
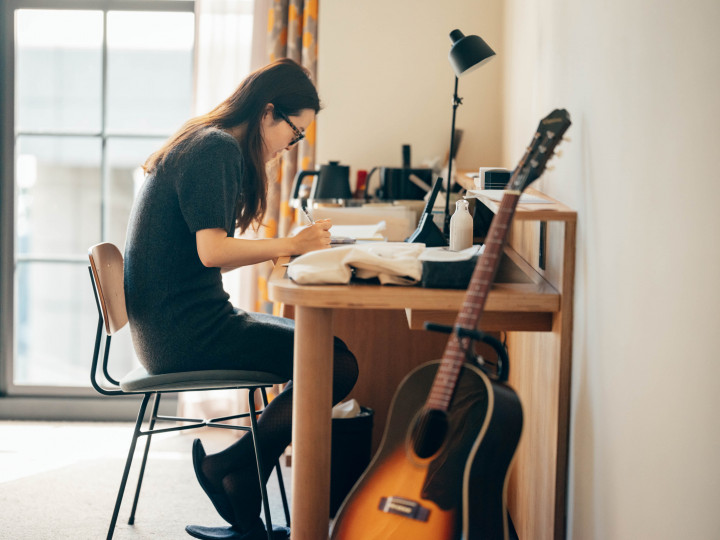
(205, 182)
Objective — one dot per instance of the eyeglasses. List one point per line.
(299, 135)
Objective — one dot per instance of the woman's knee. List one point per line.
(346, 369)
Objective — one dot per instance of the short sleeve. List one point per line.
(208, 188)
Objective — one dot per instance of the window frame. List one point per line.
(24, 394)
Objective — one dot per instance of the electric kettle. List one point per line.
(331, 185)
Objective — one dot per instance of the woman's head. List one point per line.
(265, 99)
(260, 114)
(280, 131)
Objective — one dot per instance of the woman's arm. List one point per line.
(216, 249)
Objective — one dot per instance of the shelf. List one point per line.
(552, 211)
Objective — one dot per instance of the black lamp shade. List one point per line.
(468, 52)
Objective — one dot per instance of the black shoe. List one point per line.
(230, 533)
(218, 498)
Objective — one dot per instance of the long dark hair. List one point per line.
(283, 83)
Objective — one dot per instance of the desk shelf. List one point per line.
(552, 211)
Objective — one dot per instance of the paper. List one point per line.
(497, 195)
(400, 221)
(346, 409)
(348, 234)
(360, 232)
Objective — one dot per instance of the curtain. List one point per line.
(292, 33)
(223, 44)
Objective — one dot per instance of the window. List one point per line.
(94, 87)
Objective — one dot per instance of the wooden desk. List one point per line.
(523, 301)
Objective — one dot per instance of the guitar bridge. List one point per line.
(404, 507)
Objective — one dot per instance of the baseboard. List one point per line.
(74, 408)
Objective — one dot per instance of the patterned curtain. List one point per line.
(292, 33)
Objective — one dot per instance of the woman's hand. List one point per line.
(316, 236)
(217, 250)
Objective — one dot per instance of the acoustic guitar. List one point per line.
(442, 468)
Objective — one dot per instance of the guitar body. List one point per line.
(459, 490)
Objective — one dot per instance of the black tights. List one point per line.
(233, 469)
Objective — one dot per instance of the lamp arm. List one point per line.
(456, 102)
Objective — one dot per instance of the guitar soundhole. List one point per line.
(429, 432)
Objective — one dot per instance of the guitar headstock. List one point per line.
(548, 135)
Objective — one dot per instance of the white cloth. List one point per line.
(393, 263)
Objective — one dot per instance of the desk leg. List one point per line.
(312, 404)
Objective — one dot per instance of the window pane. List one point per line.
(150, 59)
(55, 325)
(58, 70)
(58, 195)
(75, 181)
(125, 158)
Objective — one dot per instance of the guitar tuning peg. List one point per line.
(566, 139)
(558, 153)
(550, 168)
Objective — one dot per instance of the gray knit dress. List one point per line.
(181, 318)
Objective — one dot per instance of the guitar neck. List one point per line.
(482, 279)
(531, 166)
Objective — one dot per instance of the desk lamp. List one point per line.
(466, 54)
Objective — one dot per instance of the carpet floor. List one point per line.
(59, 481)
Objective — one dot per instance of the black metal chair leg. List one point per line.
(281, 482)
(258, 461)
(151, 425)
(128, 462)
(283, 495)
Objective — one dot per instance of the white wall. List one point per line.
(385, 80)
(641, 80)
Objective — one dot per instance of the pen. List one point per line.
(307, 214)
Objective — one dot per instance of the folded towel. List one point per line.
(393, 263)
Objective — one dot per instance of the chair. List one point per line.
(106, 275)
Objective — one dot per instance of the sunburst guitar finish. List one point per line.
(456, 493)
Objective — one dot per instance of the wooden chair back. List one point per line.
(106, 263)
